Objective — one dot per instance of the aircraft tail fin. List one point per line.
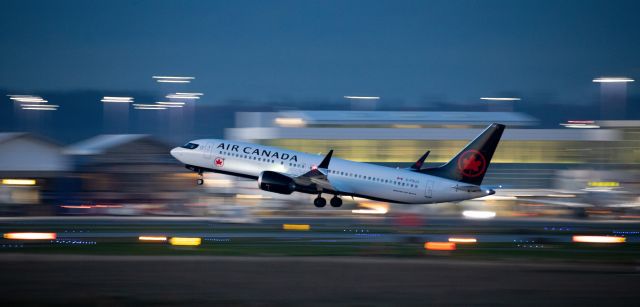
(471, 163)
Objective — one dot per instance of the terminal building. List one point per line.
(31, 169)
(528, 156)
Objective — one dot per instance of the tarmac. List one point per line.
(321, 281)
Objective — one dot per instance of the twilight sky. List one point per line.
(411, 51)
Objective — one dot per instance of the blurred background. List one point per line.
(94, 94)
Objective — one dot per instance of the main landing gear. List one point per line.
(336, 201)
(321, 202)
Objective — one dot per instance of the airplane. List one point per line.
(285, 171)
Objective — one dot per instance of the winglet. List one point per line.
(325, 161)
(418, 165)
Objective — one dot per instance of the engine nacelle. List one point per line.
(276, 183)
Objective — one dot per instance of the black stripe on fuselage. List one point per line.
(204, 169)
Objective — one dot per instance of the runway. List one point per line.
(325, 281)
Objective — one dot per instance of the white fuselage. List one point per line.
(348, 177)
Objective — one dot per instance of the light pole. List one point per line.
(504, 104)
(613, 96)
(115, 114)
(363, 102)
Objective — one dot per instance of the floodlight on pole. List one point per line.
(501, 98)
(612, 80)
(363, 97)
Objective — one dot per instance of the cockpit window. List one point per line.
(190, 146)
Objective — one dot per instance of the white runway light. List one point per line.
(476, 214)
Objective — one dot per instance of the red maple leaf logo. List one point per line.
(219, 162)
(472, 163)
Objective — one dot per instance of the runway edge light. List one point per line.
(19, 181)
(180, 241)
(153, 238)
(462, 240)
(598, 239)
(440, 246)
(301, 227)
(30, 235)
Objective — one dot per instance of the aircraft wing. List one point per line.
(418, 164)
(318, 176)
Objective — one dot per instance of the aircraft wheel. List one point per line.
(200, 181)
(336, 202)
(319, 202)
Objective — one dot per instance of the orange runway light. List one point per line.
(440, 246)
(185, 241)
(302, 227)
(75, 207)
(30, 235)
(153, 238)
(108, 206)
(463, 240)
(599, 239)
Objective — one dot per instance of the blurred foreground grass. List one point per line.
(624, 253)
(115, 238)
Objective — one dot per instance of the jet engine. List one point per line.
(276, 182)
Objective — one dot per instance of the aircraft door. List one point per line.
(428, 192)
(208, 151)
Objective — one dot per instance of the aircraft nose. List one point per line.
(176, 152)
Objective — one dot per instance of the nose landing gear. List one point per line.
(200, 180)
